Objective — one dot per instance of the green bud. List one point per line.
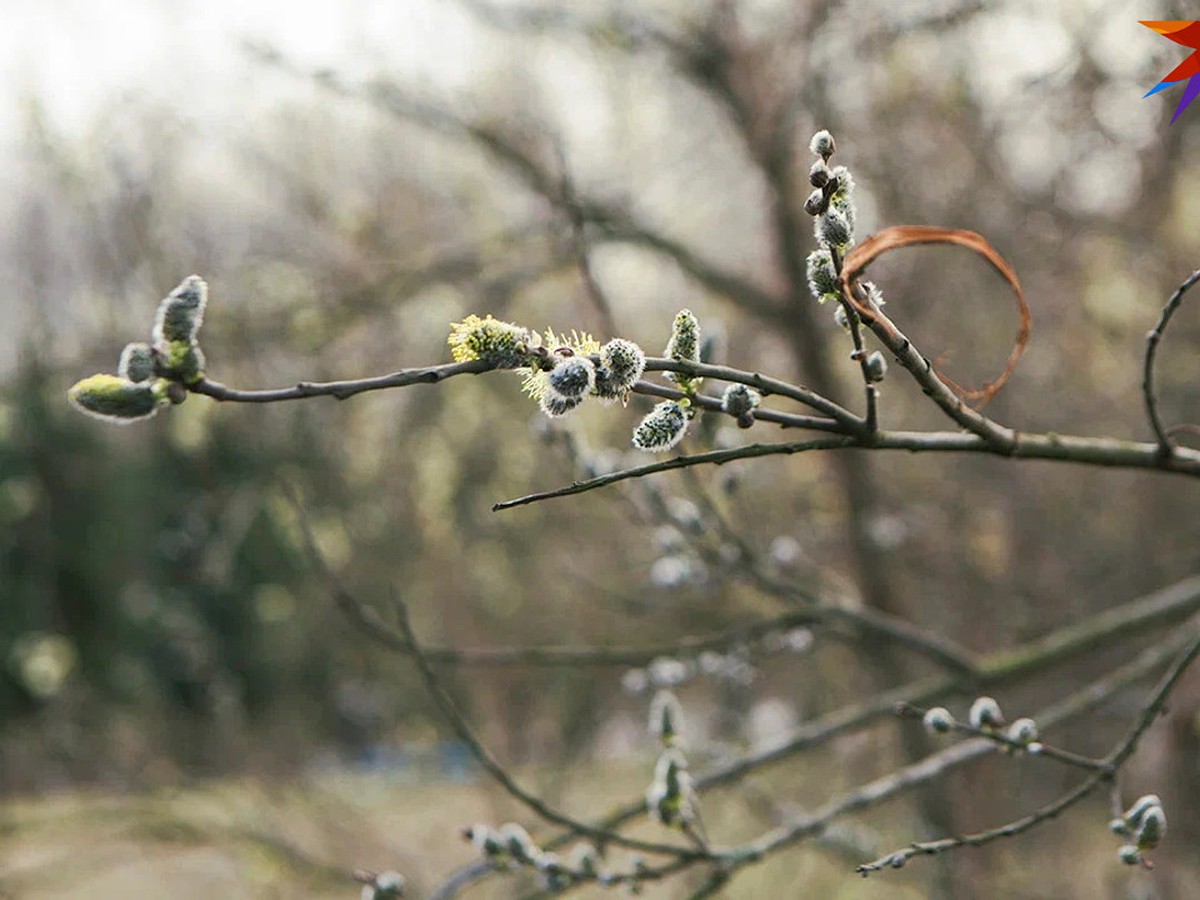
(502, 344)
(117, 399)
(183, 360)
(137, 362)
(181, 312)
(839, 317)
(662, 428)
(684, 346)
(822, 144)
(938, 720)
(1118, 826)
(985, 714)
(822, 277)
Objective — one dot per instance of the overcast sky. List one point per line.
(73, 55)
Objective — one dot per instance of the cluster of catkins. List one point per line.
(986, 718)
(155, 374)
(832, 206)
(671, 800)
(510, 846)
(1143, 825)
(561, 372)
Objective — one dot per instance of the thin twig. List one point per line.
(1001, 738)
(1106, 769)
(493, 767)
(466, 733)
(897, 859)
(1153, 338)
(342, 389)
(940, 763)
(1058, 448)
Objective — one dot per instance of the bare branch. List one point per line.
(342, 389)
(1058, 448)
(1106, 768)
(1153, 338)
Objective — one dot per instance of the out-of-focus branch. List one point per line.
(1125, 622)
(463, 729)
(504, 150)
(1108, 768)
(935, 766)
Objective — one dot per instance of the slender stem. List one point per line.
(1105, 770)
(342, 389)
(764, 384)
(1059, 448)
(494, 768)
(940, 763)
(1153, 338)
(1001, 739)
(931, 848)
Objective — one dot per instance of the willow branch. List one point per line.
(937, 765)
(1153, 338)
(494, 768)
(897, 859)
(1125, 622)
(1058, 448)
(1106, 769)
(342, 389)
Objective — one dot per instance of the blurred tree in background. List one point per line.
(160, 622)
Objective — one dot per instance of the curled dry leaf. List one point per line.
(899, 236)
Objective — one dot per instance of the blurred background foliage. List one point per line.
(158, 620)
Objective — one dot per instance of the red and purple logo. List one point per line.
(1188, 34)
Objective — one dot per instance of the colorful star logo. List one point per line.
(1188, 34)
